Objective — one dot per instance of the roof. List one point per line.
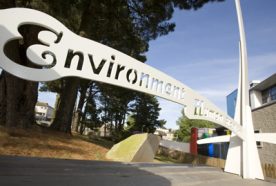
(270, 81)
(41, 104)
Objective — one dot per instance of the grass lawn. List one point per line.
(51, 144)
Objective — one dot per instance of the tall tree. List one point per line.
(89, 116)
(2, 99)
(78, 112)
(144, 114)
(115, 105)
(18, 96)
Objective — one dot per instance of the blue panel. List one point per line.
(211, 150)
(231, 103)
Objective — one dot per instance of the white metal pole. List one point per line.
(251, 166)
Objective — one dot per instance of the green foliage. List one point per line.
(145, 112)
(185, 125)
(91, 117)
(162, 123)
(114, 104)
(53, 86)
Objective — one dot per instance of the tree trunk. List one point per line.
(77, 114)
(2, 99)
(64, 114)
(13, 100)
(18, 97)
(75, 121)
(27, 109)
(21, 95)
(104, 129)
(82, 120)
(57, 103)
(3, 88)
(21, 98)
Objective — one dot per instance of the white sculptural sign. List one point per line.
(61, 53)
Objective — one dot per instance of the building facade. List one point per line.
(166, 134)
(43, 111)
(263, 105)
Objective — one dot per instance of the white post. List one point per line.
(251, 166)
(243, 157)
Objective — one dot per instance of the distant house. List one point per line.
(43, 111)
(105, 130)
(166, 134)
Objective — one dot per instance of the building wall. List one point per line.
(50, 112)
(174, 145)
(41, 109)
(255, 99)
(264, 118)
(46, 111)
(167, 134)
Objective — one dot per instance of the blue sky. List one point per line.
(203, 51)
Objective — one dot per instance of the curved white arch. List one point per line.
(67, 54)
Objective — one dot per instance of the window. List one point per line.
(269, 94)
(265, 95)
(273, 93)
(259, 144)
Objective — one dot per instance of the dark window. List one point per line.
(269, 94)
(273, 93)
(265, 96)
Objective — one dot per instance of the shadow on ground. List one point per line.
(49, 172)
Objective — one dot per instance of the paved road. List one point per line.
(52, 172)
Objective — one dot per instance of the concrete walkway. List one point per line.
(50, 172)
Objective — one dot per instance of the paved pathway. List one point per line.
(50, 172)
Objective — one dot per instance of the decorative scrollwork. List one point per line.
(49, 53)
